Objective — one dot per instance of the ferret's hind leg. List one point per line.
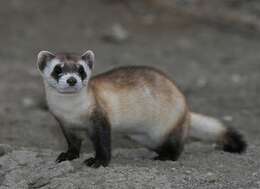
(173, 145)
(170, 149)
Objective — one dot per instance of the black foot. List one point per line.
(95, 163)
(165, 158)
(170, 150)
(64, 156)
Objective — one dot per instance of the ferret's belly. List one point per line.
(146, 123)
(144, 133)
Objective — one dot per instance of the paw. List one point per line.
(95, 163)
(165, 158)
(161, 158)
(64, 156)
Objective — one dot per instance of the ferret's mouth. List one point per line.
(69, 90)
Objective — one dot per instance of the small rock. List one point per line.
(201, 82)
(211, 177)
(117, 34)
(40, 182)
(188, 172)
(28, 102)
(148, 19)
(4, 149)
(209, 174)
(228, 118)
(184, 43)
(236, 78)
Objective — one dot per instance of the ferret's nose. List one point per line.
(71, 81)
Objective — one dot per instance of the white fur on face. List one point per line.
(47, 73)
(61, 85)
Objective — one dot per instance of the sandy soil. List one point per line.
(216, 67)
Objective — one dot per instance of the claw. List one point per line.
(95, 163)
(90, 161)
(64, 156)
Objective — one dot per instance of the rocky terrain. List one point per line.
(199, 167)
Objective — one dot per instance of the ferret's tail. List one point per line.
(209, 129)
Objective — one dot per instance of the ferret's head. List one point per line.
(66, 72)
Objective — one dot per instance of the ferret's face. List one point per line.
(66, 72)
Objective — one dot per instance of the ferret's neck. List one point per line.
(83, 99)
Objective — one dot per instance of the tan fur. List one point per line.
(141, 101)
(182, 127)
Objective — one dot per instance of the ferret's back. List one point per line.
(132, 77)
(135, 82)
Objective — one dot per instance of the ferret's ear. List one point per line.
(43, 58)
(89, 58)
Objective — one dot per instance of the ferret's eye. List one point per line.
(57, 70)
(82, 73)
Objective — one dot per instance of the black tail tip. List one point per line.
(233, 142)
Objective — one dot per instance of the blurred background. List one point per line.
(210, 48)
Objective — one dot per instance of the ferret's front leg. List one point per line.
(74, 145)
(100, 136)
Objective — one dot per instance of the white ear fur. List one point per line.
(89, 58)
(42, 58)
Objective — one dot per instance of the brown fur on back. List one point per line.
(137, 78)
(128, 75)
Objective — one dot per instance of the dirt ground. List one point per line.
(217, 66)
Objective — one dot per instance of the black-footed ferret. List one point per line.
(140, 102)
